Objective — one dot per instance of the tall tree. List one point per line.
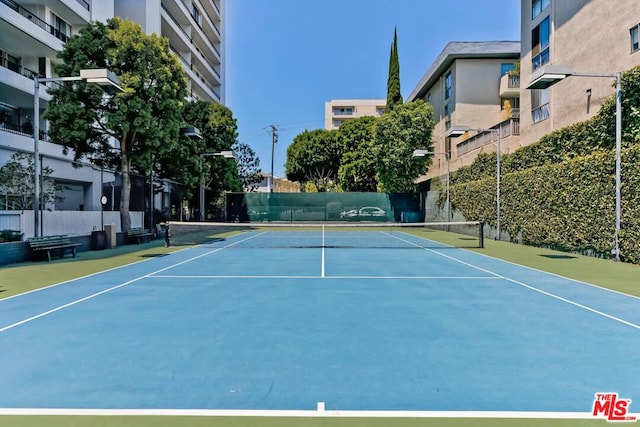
(144, 120)
(398, 133)
(358, 164)
(248, 166)
(219, 130)
(394, 97)
(314, 156)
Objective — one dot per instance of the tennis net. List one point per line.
(467, 234)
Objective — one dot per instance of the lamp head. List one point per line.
(191, 132)
(548, 75)
(457, 131)
(104, 78)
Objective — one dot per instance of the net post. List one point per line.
(481, 235)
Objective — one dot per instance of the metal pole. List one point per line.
(101, 195)
(36, 155)
(498, 186)
(151, 199)
(448, 155)
(618, 162)
(201, 187)
(274, 139)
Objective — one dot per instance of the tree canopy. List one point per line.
(398, 132)
(314, 156)
(357, 170)
(16, 183)
(219, 130)
(248, 166)
(144, 120)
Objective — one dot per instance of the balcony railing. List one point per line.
(33, 18)
(84, 4)
(25, 129)
(23, 71)
(17, 68)
(507, 128)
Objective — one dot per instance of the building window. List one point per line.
(540, 44)
(342, 111)
(428, 98)
(196, 15)
(380, 110)
(538, 6)
(506, 67)
(60, 28)
(539, 105)
(337, 123)
(448, 84)
(634, 38)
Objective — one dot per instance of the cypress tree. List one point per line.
(394, 97)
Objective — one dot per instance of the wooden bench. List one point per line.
(140, 234)
(49, 244)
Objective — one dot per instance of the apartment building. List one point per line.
(32, 32)
(473, 84)
(195, 29)
(337, 111)
(589, 36)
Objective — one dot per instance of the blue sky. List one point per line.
(286, 58)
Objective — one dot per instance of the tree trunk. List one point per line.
(125, 194)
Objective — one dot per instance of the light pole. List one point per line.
(456, 131)
(107, 81)
(547, 76)
(447, 154)
(228, 154)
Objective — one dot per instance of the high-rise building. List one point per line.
(195, 29)
(33, 32)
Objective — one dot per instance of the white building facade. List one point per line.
(33, 32)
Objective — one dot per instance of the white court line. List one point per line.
(533, 288)
(323, 258)
(299, 413)
(582, 282)
(104, 291)
(163, 276)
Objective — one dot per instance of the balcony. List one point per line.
(37, 21)
(509, 127)
(510, 86)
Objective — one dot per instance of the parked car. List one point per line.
(364, 212)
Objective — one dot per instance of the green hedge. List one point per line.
(560, 191)
(568, 205)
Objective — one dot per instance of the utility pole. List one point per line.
(274, 139)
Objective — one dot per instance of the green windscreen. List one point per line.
(292, 207)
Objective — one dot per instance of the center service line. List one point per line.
(322, 260)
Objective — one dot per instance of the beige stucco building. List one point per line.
(590, 36)
(337, 111)
(471, 84)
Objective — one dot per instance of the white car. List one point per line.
(364, 212)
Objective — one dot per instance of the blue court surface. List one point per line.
(257, 322)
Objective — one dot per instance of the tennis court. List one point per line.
(270, 321)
